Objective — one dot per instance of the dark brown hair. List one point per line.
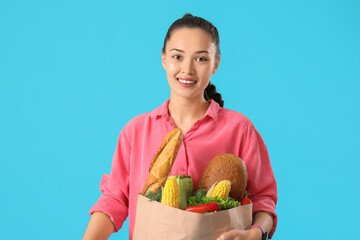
(190, 21)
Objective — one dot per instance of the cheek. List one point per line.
(206, 71)
(172, 68)
(171, 71)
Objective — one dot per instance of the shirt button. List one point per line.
(182, 169)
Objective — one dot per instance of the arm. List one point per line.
(261, 180)
(262, 218)
(100, 227)
(265, 220)
(111, 209)
(261, 186)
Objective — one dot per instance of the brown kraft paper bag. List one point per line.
(158, 221)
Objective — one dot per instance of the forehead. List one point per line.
(190, 39)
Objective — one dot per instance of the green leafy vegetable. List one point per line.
(224, 203)
(154, 196)
(192, 201)
(199, 194)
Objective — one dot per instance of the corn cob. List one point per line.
(170, 195)
(222, 189)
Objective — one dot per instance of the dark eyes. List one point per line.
(200, 59)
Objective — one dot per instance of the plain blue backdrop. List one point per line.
(73, 73)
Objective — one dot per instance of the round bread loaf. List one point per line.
(226, 166)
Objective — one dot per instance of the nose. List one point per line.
(187, 67)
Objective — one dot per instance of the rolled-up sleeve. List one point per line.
(114, 187)
(261, 181)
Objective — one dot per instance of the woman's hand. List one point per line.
(262, 218)
(251, 234)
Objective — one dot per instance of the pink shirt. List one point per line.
(220, 131)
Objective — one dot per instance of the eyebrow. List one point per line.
(201, 51)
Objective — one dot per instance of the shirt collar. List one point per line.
(161, 111)
(213, 110)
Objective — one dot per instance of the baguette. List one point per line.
(163, 160)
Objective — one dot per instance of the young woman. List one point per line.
(190, 56)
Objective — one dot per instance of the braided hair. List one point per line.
(190, 21)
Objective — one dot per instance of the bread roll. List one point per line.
(163, 160)
(226, 167)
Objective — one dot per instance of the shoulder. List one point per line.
(144, 120)
(234, 117)
(135, 127)
(138, 121)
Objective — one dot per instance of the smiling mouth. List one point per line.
(186, 81)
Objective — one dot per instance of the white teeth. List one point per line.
(185, 81)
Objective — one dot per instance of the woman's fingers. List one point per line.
(233, 235)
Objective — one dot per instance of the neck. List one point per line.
(185, 111)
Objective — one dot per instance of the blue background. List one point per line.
(73, 73)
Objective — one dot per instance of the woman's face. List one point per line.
(189, 61)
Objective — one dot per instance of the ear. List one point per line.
(217, 62)
(163, 59)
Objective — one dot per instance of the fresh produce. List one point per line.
(185, 189)
(245, 200)
(219, 193)
(170, 195)
(154, 196)
(182, 191)
(178, 185)
(221, 189)
(209, 207)
(199, 194)
(223, 203)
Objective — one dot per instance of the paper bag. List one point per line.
(158, 221)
